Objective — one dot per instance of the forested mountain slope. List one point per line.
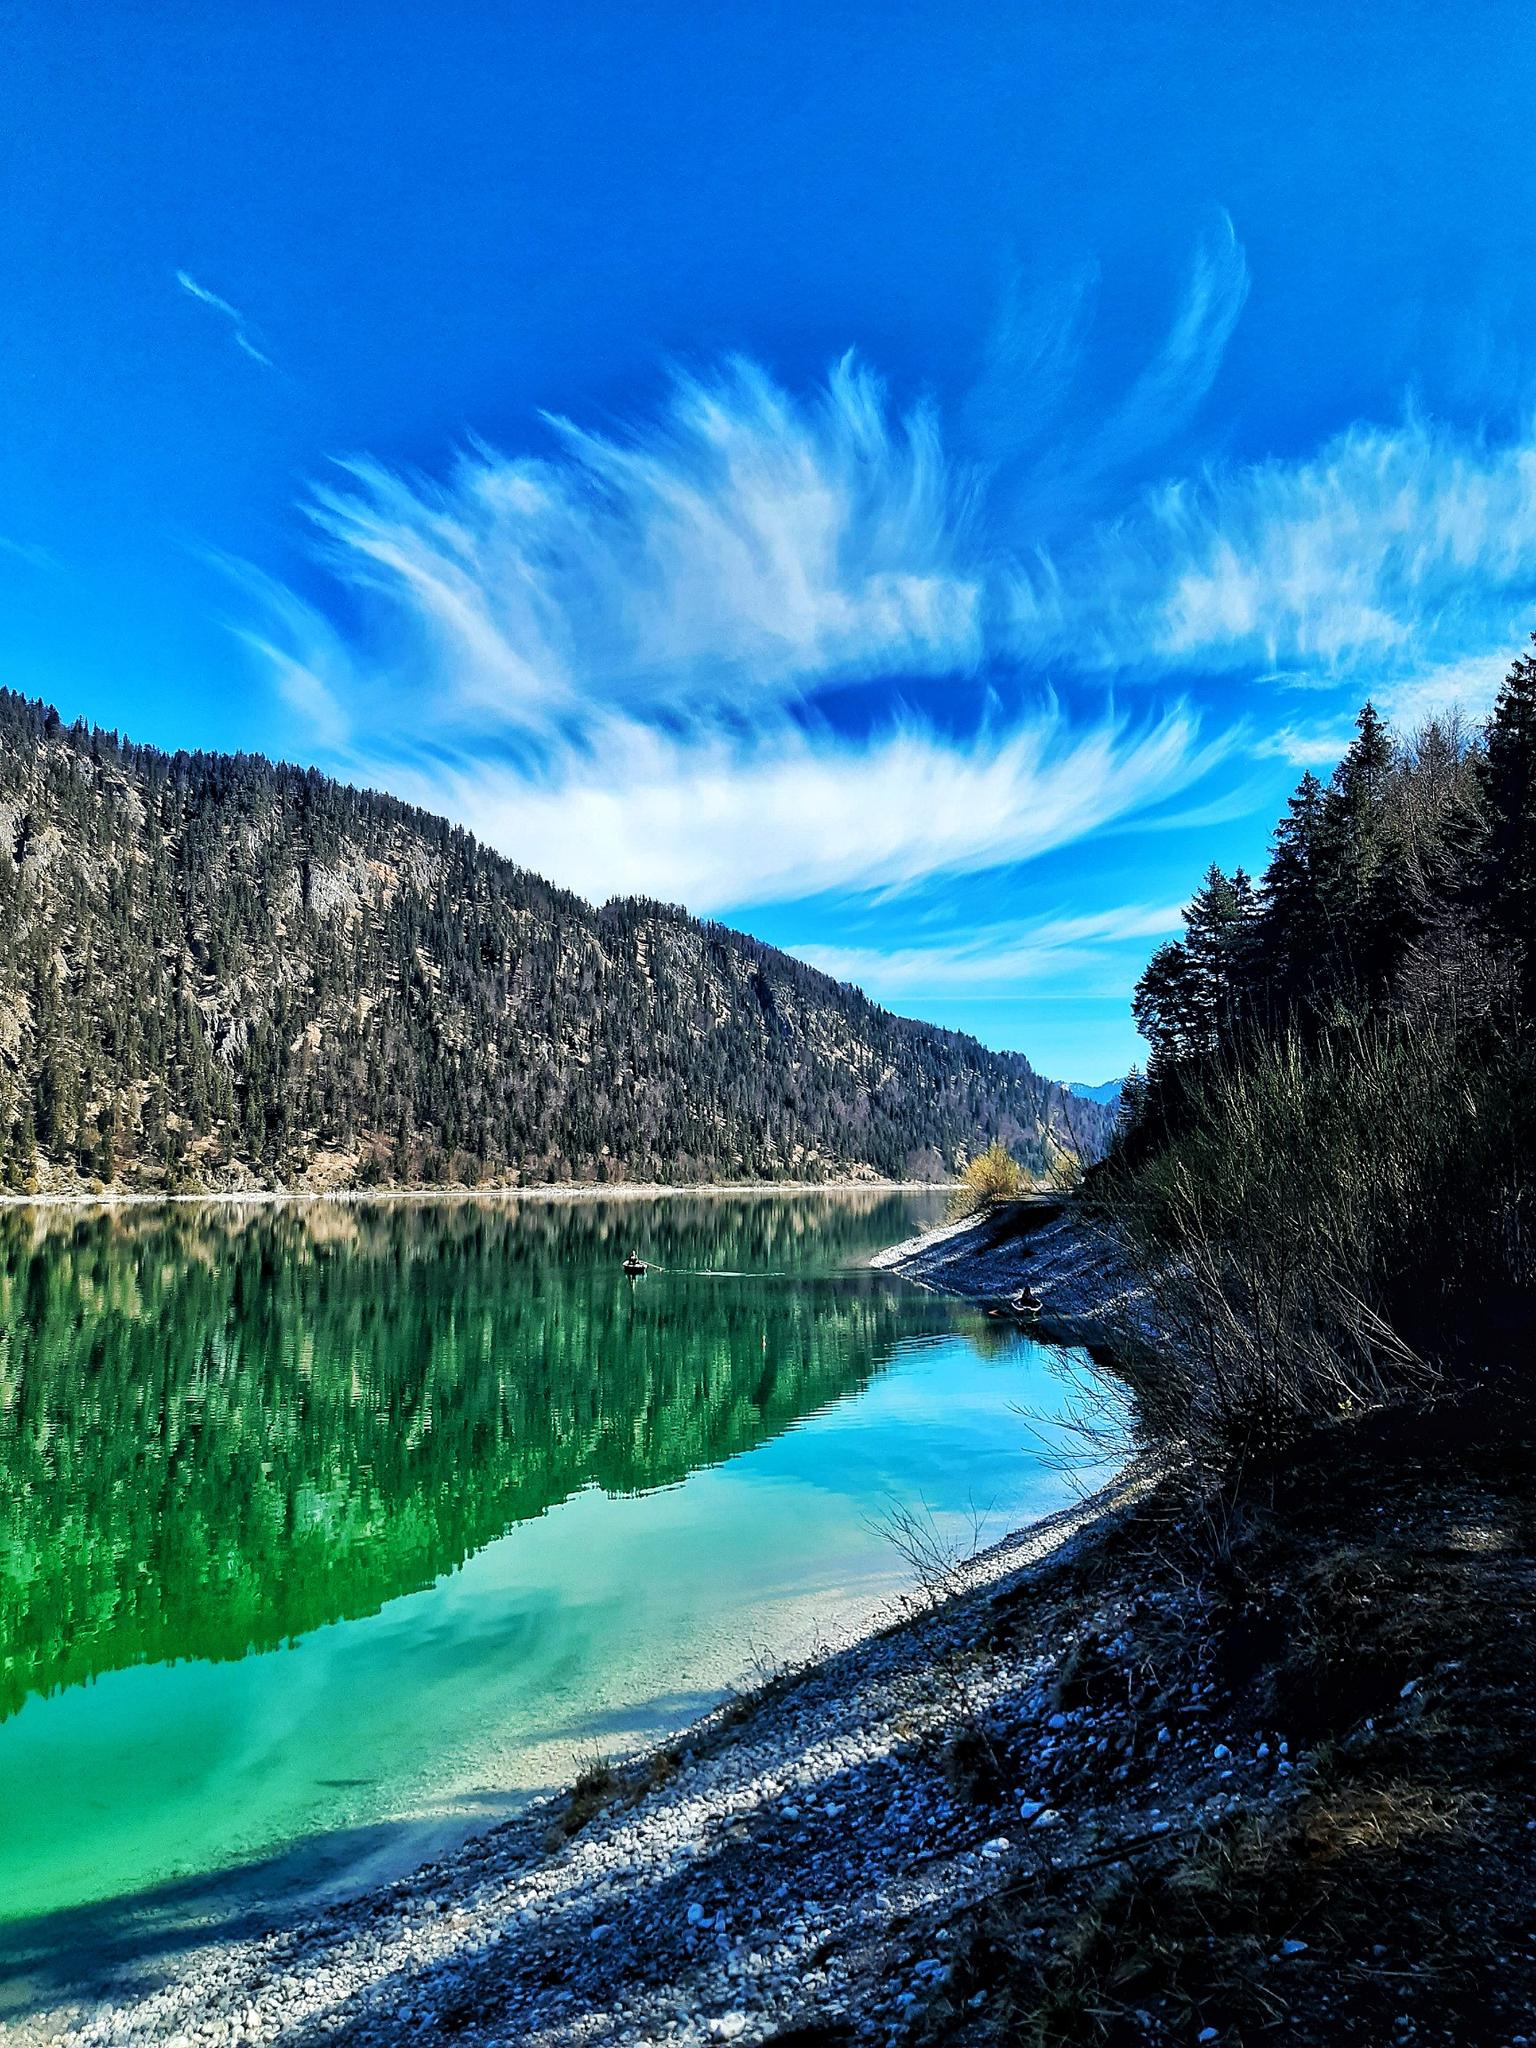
(218, 972)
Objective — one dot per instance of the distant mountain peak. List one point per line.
(1095, 1091)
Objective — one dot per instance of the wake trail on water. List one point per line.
(712, 1273)
(730, 1273)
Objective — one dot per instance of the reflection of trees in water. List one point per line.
(222, 1427)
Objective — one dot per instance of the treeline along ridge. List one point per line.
(220, 972)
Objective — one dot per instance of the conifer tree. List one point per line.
(1503, 881)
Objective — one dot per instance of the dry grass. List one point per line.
(601, 1786)
(1332, 1227)
(1385, 1890)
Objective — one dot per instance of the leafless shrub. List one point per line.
(1314, 1236)
(940, 1566)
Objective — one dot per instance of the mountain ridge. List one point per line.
(222, 973)
(1096, 1091)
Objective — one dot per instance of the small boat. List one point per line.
(634, 1267)
(1020, 1307)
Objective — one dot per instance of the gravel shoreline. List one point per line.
(1090, 1291)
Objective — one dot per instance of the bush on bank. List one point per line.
(992, 1176)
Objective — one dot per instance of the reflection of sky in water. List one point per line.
(606, 1618)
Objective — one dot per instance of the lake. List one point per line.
(330, 1532)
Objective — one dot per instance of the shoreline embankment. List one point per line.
(1090, 1292)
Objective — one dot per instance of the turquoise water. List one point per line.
(330, 1533)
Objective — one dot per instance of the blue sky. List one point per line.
(918, 487)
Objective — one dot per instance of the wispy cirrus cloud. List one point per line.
(238, 324)
(1307, 745)
(1406, 698)
(1392, 552)
(714, 818)
(624, 660)
(1031, 954)
(1468, 685)
(1168, 393)
(29, 552)
(1045, 469)
(742, 544)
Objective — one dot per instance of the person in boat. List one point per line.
(634, 1265)
(1025, 1302)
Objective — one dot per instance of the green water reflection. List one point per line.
(220, 1428)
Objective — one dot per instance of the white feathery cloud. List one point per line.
(1034, 954)
(301, 652)
(631, 660)
(615, 660)
(1468, 685)
(1406, 699)
(1029, 361)
(1389, 549)
(713, 819)
(1170, 390)
(237, 320)
(30, 552)
(744, 545)
(1307, 746)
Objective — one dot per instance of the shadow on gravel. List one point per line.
(134, 1939)
(590, 1953)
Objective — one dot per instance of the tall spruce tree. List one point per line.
(1292, 938)
(1168, 1012)
(1504, 874)
(1363, 913)
(1218, 938)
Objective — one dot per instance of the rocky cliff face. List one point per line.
(220, 972)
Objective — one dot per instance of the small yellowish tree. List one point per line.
(992, 1176)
